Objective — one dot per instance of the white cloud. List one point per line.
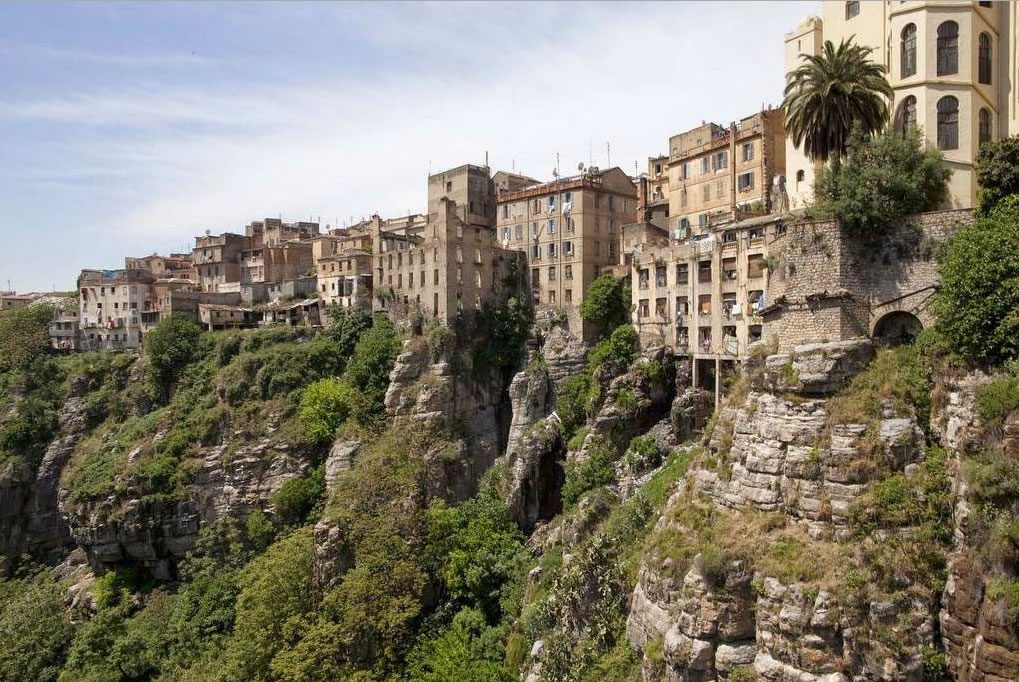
(344, 146)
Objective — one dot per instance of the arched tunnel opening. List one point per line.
(897, 328)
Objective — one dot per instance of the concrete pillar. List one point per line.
(693, 370)
(718, 381)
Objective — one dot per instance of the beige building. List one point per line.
(217, 259)
(111, 303)
(288, 260)
(703, 296)
(345, 278)
(718, 174)
(569, 231)
(176, 265)
(953, 68)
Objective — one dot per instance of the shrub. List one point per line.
(642, 454)
(571, 403)
(978, 298)
(607, 304)
(36, 631)
(368, 371)
(325, 405)
(441, 340)
(346, 325)
(297, 498)
(996, 399)
(171, 347)
(882, 180)
(997, 171)
(596, 470)
(619, 349)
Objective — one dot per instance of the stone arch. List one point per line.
(896, 327)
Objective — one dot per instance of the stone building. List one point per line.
(287, 260)
(217, 259)
(10, 300)
(345, 278)
(275, 232)
(176, 265)
(568, 230)
(110, 306)
(718, 174)
(653, 192)
(952, 65)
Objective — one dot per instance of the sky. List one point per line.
(127, 129)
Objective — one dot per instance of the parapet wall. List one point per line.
(827, 286)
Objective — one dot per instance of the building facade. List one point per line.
(718, 174)
(953, 67)
(345, 278)
(569, 231)
(111, 303)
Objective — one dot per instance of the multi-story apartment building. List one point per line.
(653, 192)
(952, 65)
(264, 263)
(569, 231)
(703, 296)
(217, 259)
(719, 174)
(345, 278)
(274, 232)
(110, 306)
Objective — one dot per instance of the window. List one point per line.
(551, 273)
(505, 234)
(551, 250)
(534, 230)
(745, 181)
(729, 237)
(720, 160)
(748, 151)
(905, 117)
(567, 272)
(477, 278)
(984, 63)
(535, 251)
(682, 273)
(948, 123)
(985, 126)
(642, 308)
(551, 226)
(660, 275)
(505, 210)
(704, 271)
(800, 175)
(551, 201)
(682, 198)
(984, 4)
(704, 304)
(852, 8)
(477, 256)
(567, 249)
(720, 189)
(707, 192)
(518, 231)
(948, 48)
(907, 56)
(756, 265)
(685, 170)
(568, 296)
(705, 165)
(551, 295)
(567, 197)
(459, 274)
(597, 248)
(702, 220)
(410, 280)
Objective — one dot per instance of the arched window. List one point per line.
(905, 117)
(908, 56)
(852, 8)
(948, 48)
(984, 119)
(984, 64)
(948, 123)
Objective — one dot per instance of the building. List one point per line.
(111, 303)
(719, 174)
(345, 278)
(703, 295)
(217, 259)
(287, 260)
(176, 265)
(952, 66)
(568, 230)
(275, 232)
(653, 192)
(10, 300)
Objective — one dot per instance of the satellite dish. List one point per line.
(580, 166)
(208, 232)
(555, 173)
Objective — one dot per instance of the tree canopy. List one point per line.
(607, 304)
(830, 92)
(997, 172)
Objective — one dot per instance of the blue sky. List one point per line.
(129, 128)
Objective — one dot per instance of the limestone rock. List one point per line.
(817, 368)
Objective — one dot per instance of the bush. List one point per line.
(571, 403)
(618, 350)
(882, 180)
(36, 631)
(171, 347)
(368, 372)
(607, 304)
(24, 336)
(996, 399)
(642, 454)
(977, 300)
(325, 405)
(297, 498)
(346, 326)
(596, 470)
(997, 171)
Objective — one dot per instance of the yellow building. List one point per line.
(719, 174)
(953, 68)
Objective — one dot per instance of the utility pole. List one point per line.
(608, 155)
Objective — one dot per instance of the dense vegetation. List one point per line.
(882, 180)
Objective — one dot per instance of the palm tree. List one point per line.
(829, 93)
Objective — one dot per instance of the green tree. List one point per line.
(997, 172)
(977, 302)
(24, 336)
(607, 304)
(346, 326)
(468, 650)
(171, 347)
(882, 180)
(325, 405)
(831, 91)
(368, 372)
(35, 631)
(619, 348)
